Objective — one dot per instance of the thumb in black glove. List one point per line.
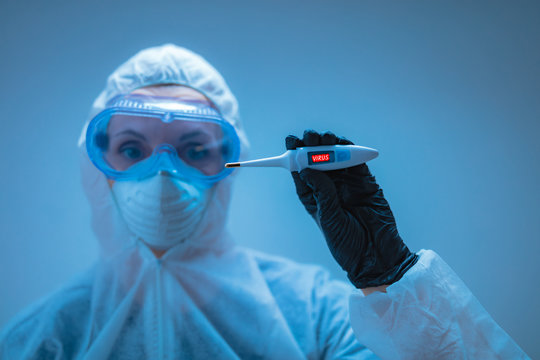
(354, 216)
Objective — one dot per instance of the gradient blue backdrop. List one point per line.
(448, 91)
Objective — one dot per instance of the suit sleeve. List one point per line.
(429, 314)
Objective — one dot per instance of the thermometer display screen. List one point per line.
(320, 157)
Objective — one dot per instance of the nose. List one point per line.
(164, 149)
(166, 156)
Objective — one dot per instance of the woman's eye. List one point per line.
(131, 152)
(198, 152)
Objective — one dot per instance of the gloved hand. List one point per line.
(354, 216)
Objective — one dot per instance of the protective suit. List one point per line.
(209, 298)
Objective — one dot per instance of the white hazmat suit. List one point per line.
(211, 299)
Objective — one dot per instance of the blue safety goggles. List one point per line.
(138, 136)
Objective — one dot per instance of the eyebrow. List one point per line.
(191, 135)
(131, 132)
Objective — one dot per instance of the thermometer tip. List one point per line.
(230, 165)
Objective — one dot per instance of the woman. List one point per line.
(171, 283)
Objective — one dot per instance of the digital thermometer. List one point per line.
(324, 158)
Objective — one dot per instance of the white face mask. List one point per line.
(161, 210)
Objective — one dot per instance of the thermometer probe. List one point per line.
(332, 157)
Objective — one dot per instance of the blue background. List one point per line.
(448, 91)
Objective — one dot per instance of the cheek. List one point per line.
(217, 168)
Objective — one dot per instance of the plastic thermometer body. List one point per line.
(323, 158)
(330, 157)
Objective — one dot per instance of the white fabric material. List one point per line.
(429, 314)
(237, 304)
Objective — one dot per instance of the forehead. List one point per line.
(154, 126)
(172, 90)
(118, 124)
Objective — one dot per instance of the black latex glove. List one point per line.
(354, 216)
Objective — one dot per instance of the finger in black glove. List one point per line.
(355, 218)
